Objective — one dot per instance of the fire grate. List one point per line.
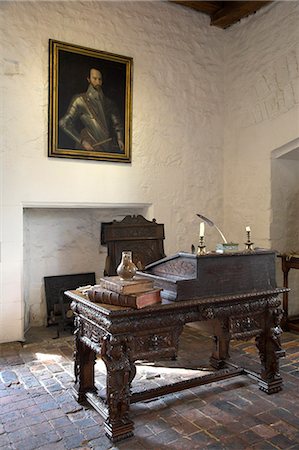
(57, 304)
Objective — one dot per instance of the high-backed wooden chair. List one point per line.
(134, 233)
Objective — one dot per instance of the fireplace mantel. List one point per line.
(79, 205)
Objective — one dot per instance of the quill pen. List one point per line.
(211, 224)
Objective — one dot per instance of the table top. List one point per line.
(289, 256)
(289, 261)
(165, 305)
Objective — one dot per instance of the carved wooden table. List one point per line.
(289, 262)
(122, 336)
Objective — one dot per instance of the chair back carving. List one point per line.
(134, 233)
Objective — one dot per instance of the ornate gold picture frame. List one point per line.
(90, 103)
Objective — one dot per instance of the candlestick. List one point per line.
(248, 243)
(201, 249)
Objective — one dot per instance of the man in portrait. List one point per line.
(92, 119)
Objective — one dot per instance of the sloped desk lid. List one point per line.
(186, 275)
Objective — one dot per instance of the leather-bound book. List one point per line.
(139, 300)
(138, 284)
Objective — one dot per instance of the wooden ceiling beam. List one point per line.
(232, 12)
(224, 13)
(204, 7)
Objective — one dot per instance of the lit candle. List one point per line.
(201, 229)
(248, 229)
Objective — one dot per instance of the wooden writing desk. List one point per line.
(122, 336)
(289, 262)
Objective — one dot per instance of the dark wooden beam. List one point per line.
(232, 12)
(204, 7)
(224, 13)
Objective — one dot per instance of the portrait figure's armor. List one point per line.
(102, 127)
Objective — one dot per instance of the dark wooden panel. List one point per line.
(185, 276)
(142, 237)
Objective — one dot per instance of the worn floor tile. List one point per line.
(38, 410)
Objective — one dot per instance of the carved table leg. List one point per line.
(270, 350)
(84, 369)
(120, 374)
(221, 348)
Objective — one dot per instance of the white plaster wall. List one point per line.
(284, 229)
(285, 205)
(177, 156)
(262, 114)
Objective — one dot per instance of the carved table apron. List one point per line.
(121, 336)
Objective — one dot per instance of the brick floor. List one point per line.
(37, 409)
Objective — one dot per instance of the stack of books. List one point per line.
(137, 293)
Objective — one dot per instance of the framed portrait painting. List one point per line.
(90, 103)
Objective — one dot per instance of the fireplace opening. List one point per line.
(63, 240)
